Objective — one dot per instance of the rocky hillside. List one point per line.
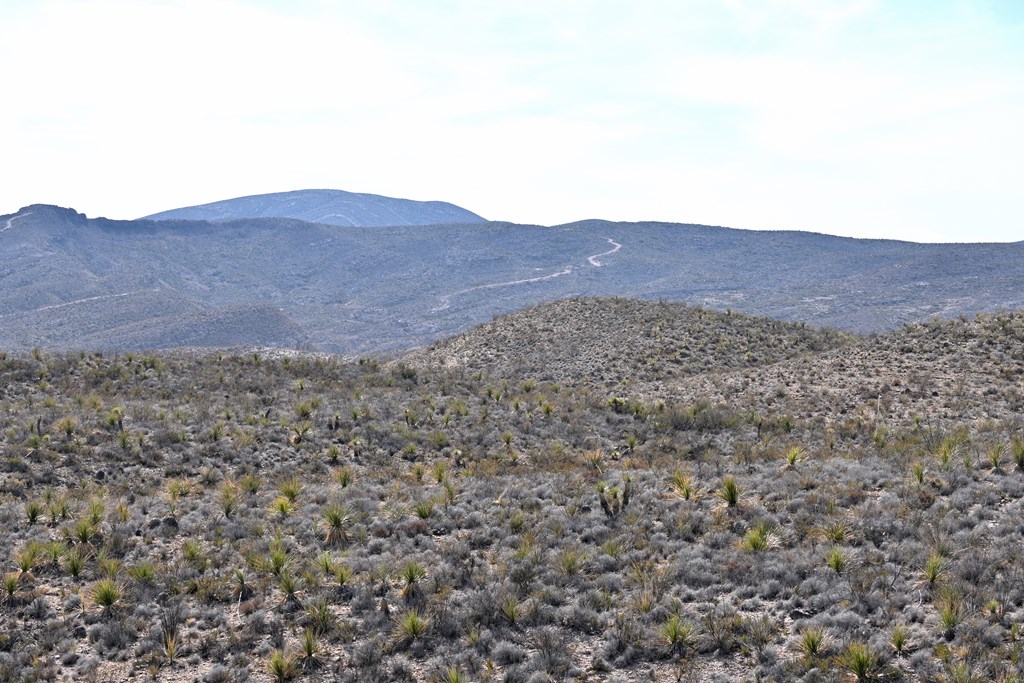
(332, 207)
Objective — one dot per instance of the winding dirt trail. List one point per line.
(10, 221)
(593, 260)
(446, 299)
(79, 301)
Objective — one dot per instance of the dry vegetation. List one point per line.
(847, 512)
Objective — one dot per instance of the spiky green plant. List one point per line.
(860, 660)
(683, 485)
(310, 657)
(338, 520)
(281, 667)
(342, 575)
(794, 455)
(424, 509)
(106, 593)
(835, 532)
(813, 643)
(511, 609)
(899, 639)
(934, 569)
(74, 562)
(411, 574)
(677, 633)
(411, 625)
(836, 560)
(344, 476)
(144, 572)
(229, 499)
(729, 491)
(282, 507)
(290, 489)
(763, 536)
(33, 511)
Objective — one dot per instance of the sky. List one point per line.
(895, 119)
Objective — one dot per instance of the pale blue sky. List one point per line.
(864, 118)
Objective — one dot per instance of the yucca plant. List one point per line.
(411, 574)
(54, 551)
(963, 672)
(344, 476)
(677, 633)
(571, 562)
(342, 575)
(995, 455)
(917, 472)
(836, 560)
(683, 485)
(33, 511)
(761, 537)
(106, 593)
(835, 532)
(1017, 450)
(338, 520)
(241, 587)
(950, 611)
(309, 659)
(282, 507)
(934, 568)
(729, 491)
(511, 609)
(84, 531)
(814, 643)
(793, 456)
(27, 558)
(411, 625)
(252, 484)
(424, 509)
(453, 675)
(144, 572)
(899, 639)
(170, 643)
(320, 616)
(10, 584)
(282, 667)
(74, 562)
(229, 499)
(859, 660)
(290, 489)
(289, 585)
(277, 559)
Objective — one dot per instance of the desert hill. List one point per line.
(621, 341)
(333, 207)
(962, 370)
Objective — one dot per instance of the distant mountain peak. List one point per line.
(331, 207)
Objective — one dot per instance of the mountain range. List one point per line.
(248, 279)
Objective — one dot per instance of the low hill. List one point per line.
(961, 370)
(621, 341)
(332, 207)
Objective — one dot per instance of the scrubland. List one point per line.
(698, 496)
